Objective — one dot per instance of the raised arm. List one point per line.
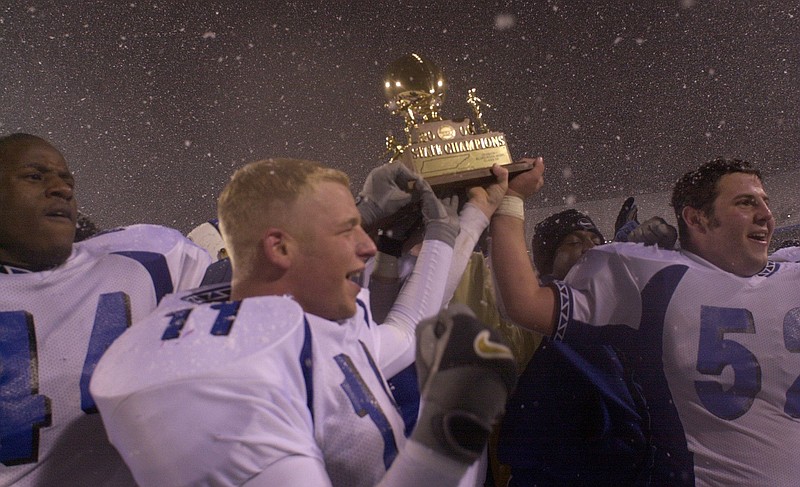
(525, 301)
(385, 281)
(422, 294)
(473, 219)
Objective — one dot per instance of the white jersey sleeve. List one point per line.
(786, 254)
(55, 325)
(609, 291)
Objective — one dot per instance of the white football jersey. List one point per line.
(717, 355)
(786, 254)
(54, 326)
(227, 389)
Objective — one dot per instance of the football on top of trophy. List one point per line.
(414, 86)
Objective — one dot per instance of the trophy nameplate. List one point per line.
(445, 152)
(449, 154)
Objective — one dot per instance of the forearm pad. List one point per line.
(442, 230)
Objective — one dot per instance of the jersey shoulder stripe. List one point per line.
(156, 265)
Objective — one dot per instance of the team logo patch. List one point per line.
(769, 269)
(486, 348)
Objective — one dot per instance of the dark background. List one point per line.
(155, 103)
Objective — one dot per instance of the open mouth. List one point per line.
(355, 276)
(758, 236)
(60, 213)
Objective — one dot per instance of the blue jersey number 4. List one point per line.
(23, 411)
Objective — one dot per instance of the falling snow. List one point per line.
(504, 21)
(155, 103)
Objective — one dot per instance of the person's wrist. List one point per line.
(512, 206)
(512, 192)
(441, 230)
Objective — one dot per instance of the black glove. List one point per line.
(654, 231)
(626, 214)
(466, 372)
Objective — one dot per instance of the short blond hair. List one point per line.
(258, 197)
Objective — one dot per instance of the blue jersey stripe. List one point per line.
(306, 363)
(363, 306)
(156, 265)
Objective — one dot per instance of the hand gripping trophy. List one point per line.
(448, 153)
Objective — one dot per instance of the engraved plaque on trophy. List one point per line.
(448, 153)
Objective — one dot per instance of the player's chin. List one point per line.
(54, 254)
(755, 264)
(759, 252)
(345, 310)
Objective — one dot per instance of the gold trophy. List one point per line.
(450, 154)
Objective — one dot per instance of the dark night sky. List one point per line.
(154, 103)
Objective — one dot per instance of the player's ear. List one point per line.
(694, 218)
(277, 247)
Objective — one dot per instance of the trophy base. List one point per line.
(455, 182)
